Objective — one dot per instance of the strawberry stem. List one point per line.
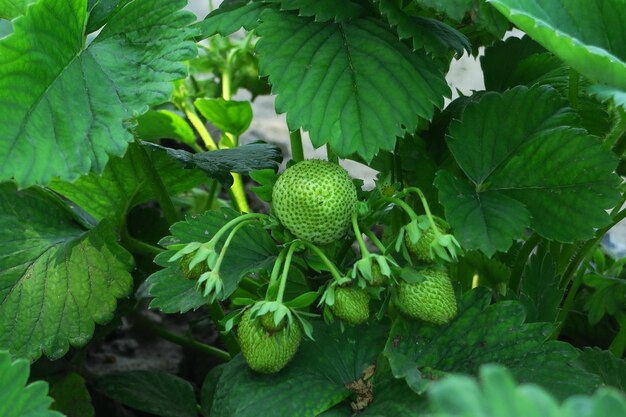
(359, 236)
(297, 152)
(404, 206)
(283, 278)
(375, 241)
(233, 222)
(275, 271)
(429, 215)
(229, 239)
(331, 266)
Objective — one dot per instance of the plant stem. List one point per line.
(154, 179)
(569, 302)
(376, 241)
(359, 236)
(283, 278)
(333, 269)
(297, 151)
(520, 261)
(234, 222)
(429, 215)
(229, 239)
(404, 206)
(238, 194)
(212, 193)
(276, 270)
(138, 247)
(229, 339)
(618, 345)
(181, 340)
(572, 88)
(206, 137)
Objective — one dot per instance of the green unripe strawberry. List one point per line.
(378, 278)
(420, 250)
(197, 270)
(267, 321)
(315, 200)
(266, 352)
(351, 305)
(431, 300)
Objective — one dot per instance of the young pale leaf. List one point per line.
(56, 279)
(587, 34)
(17, 397)
(434, 36)
(220, 163)
(540, 172)
(71, 396)
(123, 185)
(227, 115)
(460, 396)
(154, 392)
(250, 250)
(352, 84)
(163, 124)
(62, 105)
(231, 16)
(324, 10)
(313, 382)
(482, 333)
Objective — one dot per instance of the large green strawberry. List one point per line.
(351, 305)
(420, 250)
(267, 352)
(431, 300)
(315, 200)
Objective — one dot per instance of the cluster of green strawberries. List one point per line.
(316, 202)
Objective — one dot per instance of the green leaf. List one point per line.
(352, 84)
(231, 16)
(312, 383)
(434, 36)
(71, 396)
(154, 392)
(17, 397)
(116, 77)
(101, 12)
(163, 124)
(220, 163)
(266, 178)
(56, 279)
(587, 34)
(480, 334)
(251, 250)
(123, 185)
(540, 291)
(323, 10)
(540, 172)
(499, 396)
(227, 115)
(610, 369)
(10, 9)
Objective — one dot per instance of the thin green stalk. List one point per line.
(375, 241)
(229, 339)
(276, 269)
(359, 237)
(206, 137)
(572, 88)
(231, 235)
(429, 215)
(234, 222)
(297, 151)
(285, 275)
(181, 340)
(212, 193)
(139, 247)
(618, 345)
(568, 304)
(154, 179)
(333, 269)
(520, 261)
(404, 206)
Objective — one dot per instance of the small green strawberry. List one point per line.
(421, 250)
(351, 305)
(196, 271)
(314, 200)
(265, 352)
(431, 299)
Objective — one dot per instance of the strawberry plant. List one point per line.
(474, 277)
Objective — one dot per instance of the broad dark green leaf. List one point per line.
(610, 369)
(429, 34)
(163, 124)
(312, 383)
(18, 398)
(63, 104)
(540, 291)
(231, 16)
(482, 333)
(101, 11)
(71, 396)
(123, 185)
(227, 115)
(324, 10)
(589, 35)
(10, 9)
(499, 396)
(56, 279)
(154, 392)
(252, 249)
(528, 165)
(220, 163)
(352, 84)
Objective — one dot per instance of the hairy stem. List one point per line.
(285, 275)
(206, 137)
(359, 236)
